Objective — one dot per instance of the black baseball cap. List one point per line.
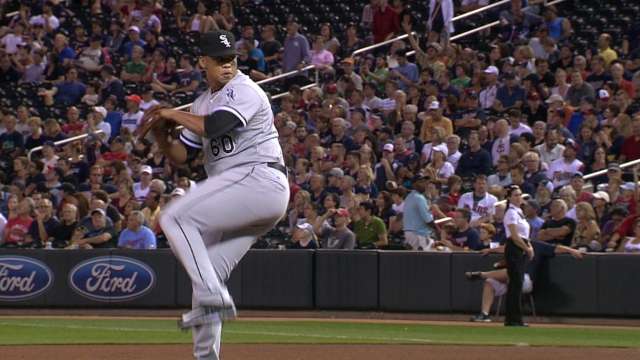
(218, 43)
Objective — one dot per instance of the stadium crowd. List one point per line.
(389, 142)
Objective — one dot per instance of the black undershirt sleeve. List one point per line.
(220, 122)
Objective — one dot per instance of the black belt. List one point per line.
(278, 166)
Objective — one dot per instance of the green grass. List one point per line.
(18, 331)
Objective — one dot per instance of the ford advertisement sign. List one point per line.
(23, 278)
(112, 278)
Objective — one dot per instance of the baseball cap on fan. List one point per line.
(146, 169)
(218, 43)
(603, 95)
(492, 70)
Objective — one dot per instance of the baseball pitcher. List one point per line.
(246, 193)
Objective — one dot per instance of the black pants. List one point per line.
(515, 258)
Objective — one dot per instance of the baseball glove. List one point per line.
(151, 119)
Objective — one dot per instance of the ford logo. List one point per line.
(112, 278)
(22, 278)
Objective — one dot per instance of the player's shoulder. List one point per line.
(242, 85)
(197, 103)
(491, 198)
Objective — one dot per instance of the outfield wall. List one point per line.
(599, 285)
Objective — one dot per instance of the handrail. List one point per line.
(382, 43)
(473, 31)
(265, 81)
(586, 177)
(287, 74)
(278, 96)
(479, 10)
(64, 141)
(602, 172)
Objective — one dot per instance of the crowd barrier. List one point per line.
(599, 285)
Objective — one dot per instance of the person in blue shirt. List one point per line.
(66, 55)
(71, 90)
(256, 54)
(417, 218)
(406, 72)
(134, 39)
(136, 235)
(465, 236)
(532, 214)
(511, 95)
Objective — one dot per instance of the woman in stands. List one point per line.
(439, 169)
(587, 234)
(224, 18)
(331, 43)
(200, 21)
(384, 204)
(517, 250)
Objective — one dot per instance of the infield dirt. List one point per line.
(314, 352)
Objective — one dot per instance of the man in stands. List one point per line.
(559, 228)
(338, 236)
(562, 170)
(479, 202)
(370, 230)
(136, 235)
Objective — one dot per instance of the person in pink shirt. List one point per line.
(320, 56)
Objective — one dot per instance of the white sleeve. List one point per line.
(190, 138)
(461, 201)
(54, 22)
(492, 204)
(510, 217)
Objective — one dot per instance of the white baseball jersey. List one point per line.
(478, 209)
(255, 142)
(501, 146)
(561, 171)
(132, 120)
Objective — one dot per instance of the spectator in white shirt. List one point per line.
(12, 40)
(132, 118)
(550, 150)
(49, 21)
(503, 176)
(147, 99)
(479, 201)
(501, 144)
(488, 94)
(453, 145)
(370, 99)
(517, 128)
(97, 121)
(141, 188)
(562, 170)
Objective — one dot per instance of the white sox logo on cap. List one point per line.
(225, 41)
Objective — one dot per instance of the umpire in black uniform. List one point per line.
(516, 251)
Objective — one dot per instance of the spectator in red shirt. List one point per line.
(17, 229)
(386, 22)
(74, 125)
(623, 230)
(617, 73)
(631, 146)
(116, 152)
